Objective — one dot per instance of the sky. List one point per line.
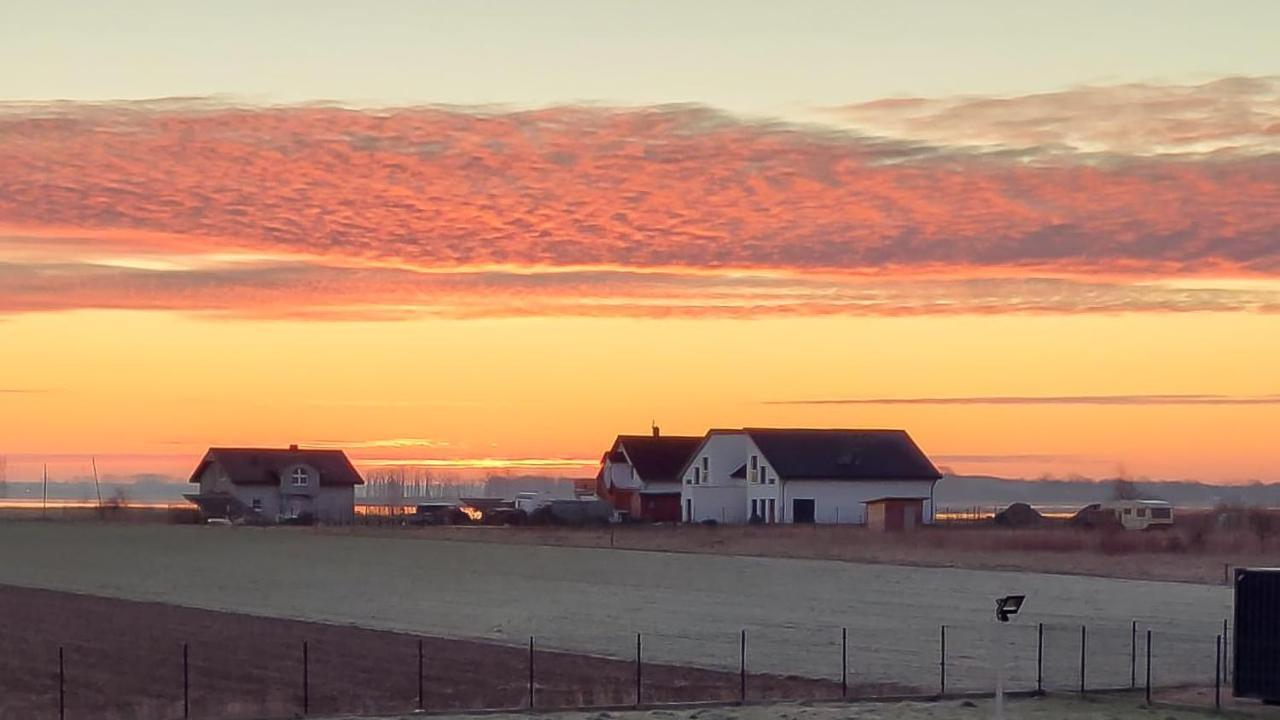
(490, 236)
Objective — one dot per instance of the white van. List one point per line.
(1141, 514)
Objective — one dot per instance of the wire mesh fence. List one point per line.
(336, 672)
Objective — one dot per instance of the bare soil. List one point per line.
(123, 659)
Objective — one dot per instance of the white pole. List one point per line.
(999, 667)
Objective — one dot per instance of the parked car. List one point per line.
(438, 513)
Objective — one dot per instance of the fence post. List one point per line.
(942, 664)
(844, 662)
(639, 677)
(186, 683)
(1040, 659)
(530, 672)
(421, 699)
(1133, 655)
(306, 679)
(1148, 666)
(1082, 653)
(62, 685)
(1217, 675)
(1226, 666)
(742, 667)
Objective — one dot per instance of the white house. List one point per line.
(804, 476)
(828, 476)
(272, 485)
(711, 488)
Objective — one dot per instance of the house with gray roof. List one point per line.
(276, 485)
(806, 475)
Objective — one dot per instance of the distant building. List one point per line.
(640, 475)
(275, 485)
(769, 475)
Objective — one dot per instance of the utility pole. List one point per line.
(44, 502)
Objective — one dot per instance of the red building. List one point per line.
(640, 475)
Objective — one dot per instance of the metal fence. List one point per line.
(757, 664)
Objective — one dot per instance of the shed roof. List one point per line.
(836, 454)
(265, 466)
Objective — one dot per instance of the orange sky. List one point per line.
(514, 288)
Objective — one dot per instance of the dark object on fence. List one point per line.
(639, 677)
(844, 662)
(1148, 667)
(530, 672)
(62, 686)
(1082, 654)
(1040, 659)
(1019, 515)
(1217, 675)
(186, 683)
(1257, 635)
(306, 679)
(942, 663)
(1133, 655)
(742, 668)
(1008, 606)
(421, 700)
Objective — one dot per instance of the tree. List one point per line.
(1122, 489)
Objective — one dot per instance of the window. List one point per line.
(772, 509)
(1128, 511)
(772, 480)
(1142, 512)
(754, 474)
(697, 475)
(1161, 513)
(705, 471)
(300, 477)
(256, 504)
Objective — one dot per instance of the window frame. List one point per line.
(300, 473)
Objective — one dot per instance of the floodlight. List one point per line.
(1008, 606)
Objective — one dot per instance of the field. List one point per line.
(123, 659)
(691, 608)
(1196, 550)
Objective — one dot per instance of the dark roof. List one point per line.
(264, 466)
(740, 473)
(803, 454)
(898, 498)
(658, 459)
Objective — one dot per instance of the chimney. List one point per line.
(293, 448)
(656, 431)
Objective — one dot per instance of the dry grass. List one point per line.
(1200, 548)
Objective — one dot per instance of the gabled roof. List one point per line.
(658, 459)
(264, 466)
(808, 454)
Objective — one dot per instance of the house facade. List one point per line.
(640, 475)
(804, 475)
(713, 488)
(276, 485)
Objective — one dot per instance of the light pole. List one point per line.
(1006, 607)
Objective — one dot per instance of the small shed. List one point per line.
(892, 514)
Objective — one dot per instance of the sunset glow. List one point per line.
(1078, 279)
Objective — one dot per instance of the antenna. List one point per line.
(96, 486)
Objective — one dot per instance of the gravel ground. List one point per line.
(691, 608)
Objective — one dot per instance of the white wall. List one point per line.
(716, 496)
(759, 486)
(844, 501)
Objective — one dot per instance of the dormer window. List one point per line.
(300, 477)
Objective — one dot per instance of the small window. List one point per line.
(1142, 512)
(1128, 511)
(772, 480)
(300, 477)
(704, 467)
(697, 475)
(755, 462)
(256, 504)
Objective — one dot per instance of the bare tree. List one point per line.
(1123, 489)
